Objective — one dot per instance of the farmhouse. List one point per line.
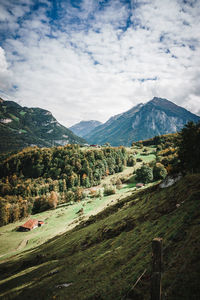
(139, 185)
(30, 224)
(95, 146)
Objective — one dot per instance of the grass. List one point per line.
(63, 218)
(104, 256)
(14, 117)
(23, 131)
(22, 113)
(56, 221)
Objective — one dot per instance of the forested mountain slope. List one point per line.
(22, 127)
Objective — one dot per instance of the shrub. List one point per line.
(109, 190)
(131, 161)
(118, 184)
(93, 193)
(138, 159)
(159, 148)
(124, 179)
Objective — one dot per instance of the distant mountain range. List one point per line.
(143, 121)
(22, 126)
(84, 127)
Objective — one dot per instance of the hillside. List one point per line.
(29, 177)
(84, 127)
(156, 117)
(22, 127)
(103, 257)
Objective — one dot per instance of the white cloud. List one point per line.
(93, 69)
(5, 74)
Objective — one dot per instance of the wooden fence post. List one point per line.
(156, 269)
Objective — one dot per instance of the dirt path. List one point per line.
(22, 244)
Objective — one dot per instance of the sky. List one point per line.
(92, 59)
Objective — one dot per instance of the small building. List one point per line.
(139, 185)
(30, 224)
(40, 223)
(95, 146)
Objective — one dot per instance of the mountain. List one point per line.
(22, 126)
(84, 127)
(156, 117)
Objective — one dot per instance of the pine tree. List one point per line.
(189, 147)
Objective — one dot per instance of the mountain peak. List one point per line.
(157, 100)
(143, 121)
(84, 127)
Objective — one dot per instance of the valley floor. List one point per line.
(64, 217)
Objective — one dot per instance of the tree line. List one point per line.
(179, 152)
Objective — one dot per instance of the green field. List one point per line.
(64, 217)
(103, 257)
(22, 113)
(56, 221)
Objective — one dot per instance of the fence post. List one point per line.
(156, 269)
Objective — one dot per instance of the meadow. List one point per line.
(66, 216)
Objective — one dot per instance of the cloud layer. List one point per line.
(92, 59)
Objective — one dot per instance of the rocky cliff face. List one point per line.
(156, 117)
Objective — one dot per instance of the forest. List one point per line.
(36, 179)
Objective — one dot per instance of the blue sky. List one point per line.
(91, 59)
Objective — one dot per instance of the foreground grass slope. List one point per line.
(103, 257)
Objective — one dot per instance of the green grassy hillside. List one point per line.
(104, 256)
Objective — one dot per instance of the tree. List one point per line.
(70, 196)
(144, 174)
(78, 194)
(4, 212)
(189, 148)
(159, 171)
(131, 161)
(85, 181)
(15, 212)
(53, 199)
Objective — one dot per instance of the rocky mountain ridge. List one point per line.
(143, 121)
(84, 127)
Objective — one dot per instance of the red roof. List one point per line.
(41, 222)
(139, 184)
(30, 224)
